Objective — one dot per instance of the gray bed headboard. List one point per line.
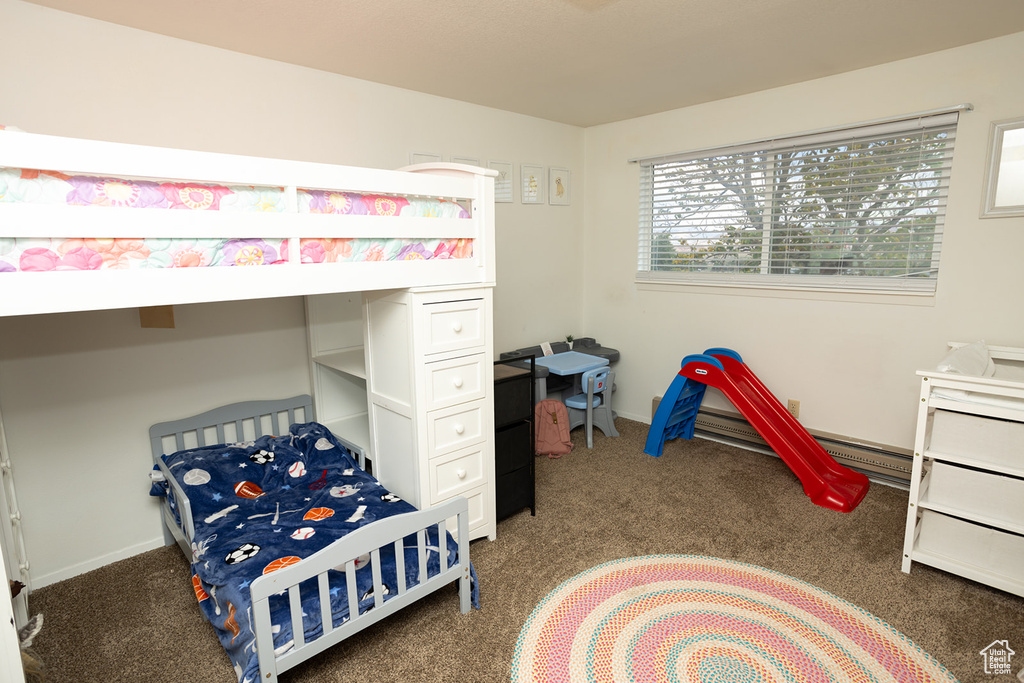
(242, 421)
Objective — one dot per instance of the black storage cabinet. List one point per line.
(514, 436)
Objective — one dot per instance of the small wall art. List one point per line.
(469, 161)
(503, 184)
(559, 186)
(423, 157)
(532, 184)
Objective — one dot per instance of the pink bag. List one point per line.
(551, 423)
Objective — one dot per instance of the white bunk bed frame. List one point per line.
(60, 291)
(250, 420)
(31, 293)
(977, 520)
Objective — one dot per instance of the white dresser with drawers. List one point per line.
(430, 382)
(965, 511)
(408, 375)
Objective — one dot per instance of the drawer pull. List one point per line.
(457, 382)
(460, 473)
(457, 326)
(459, 428)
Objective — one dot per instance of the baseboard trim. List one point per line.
(95, 563)
(880, 462)
(875, 460)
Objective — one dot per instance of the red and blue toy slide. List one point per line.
(825, 481)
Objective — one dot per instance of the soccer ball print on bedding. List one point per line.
(242, 553)
(262, 457)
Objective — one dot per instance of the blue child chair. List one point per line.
(594, 406)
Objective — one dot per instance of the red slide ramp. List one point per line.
(825, 481)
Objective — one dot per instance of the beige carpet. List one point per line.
(137, 620)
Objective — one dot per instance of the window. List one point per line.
(859, 208)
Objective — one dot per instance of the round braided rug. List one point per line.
(692, 618)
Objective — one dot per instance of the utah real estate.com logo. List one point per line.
(997, 657)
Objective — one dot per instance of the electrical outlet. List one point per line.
(794, 407)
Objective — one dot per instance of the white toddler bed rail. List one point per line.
(252, 419)
(279, 216)
(965, 512)
(344, 552)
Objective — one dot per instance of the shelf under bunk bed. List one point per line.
(73, 236)
(289, 538)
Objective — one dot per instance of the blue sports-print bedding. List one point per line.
(257, 505)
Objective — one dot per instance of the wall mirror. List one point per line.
(1004, 178)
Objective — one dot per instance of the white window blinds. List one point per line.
(858, 208)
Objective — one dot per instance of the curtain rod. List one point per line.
(967, 106)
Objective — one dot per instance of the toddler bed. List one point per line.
(87, 225)
(294, 547)
(965, 512)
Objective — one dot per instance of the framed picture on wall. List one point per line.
(558, 186)
(423, 157)
(469, 161)
(503, 184)
(1004, 178)
(531, 184)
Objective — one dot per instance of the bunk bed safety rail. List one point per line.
(73, 156)
(72, 209)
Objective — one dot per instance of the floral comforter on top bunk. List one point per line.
(263, 505)
(55, 253)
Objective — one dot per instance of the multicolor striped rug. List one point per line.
(692, 618)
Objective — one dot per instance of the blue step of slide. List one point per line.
(676, 415)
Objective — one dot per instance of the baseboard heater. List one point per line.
(885, 463)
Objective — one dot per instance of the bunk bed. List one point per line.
(92, 225)
(73, 238)
(294, 547)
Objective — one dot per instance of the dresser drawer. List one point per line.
(982, 496)
(455, 473)
(513, 492)
(455, 380)
(986, 439)
(453, 325)
(512, 400)
(984, 551)
(456, 427)
(480, 502)
(513, 449)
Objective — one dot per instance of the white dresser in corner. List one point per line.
(965, 512)
(409, 375)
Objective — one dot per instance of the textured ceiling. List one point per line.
(581, 62)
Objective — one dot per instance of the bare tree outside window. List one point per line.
(862, 211)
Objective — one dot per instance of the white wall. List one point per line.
(849, 360)
(79, 391)
(84, 388)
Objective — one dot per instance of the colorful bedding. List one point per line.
(56, 253)
(262, 505)
(351, 203)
